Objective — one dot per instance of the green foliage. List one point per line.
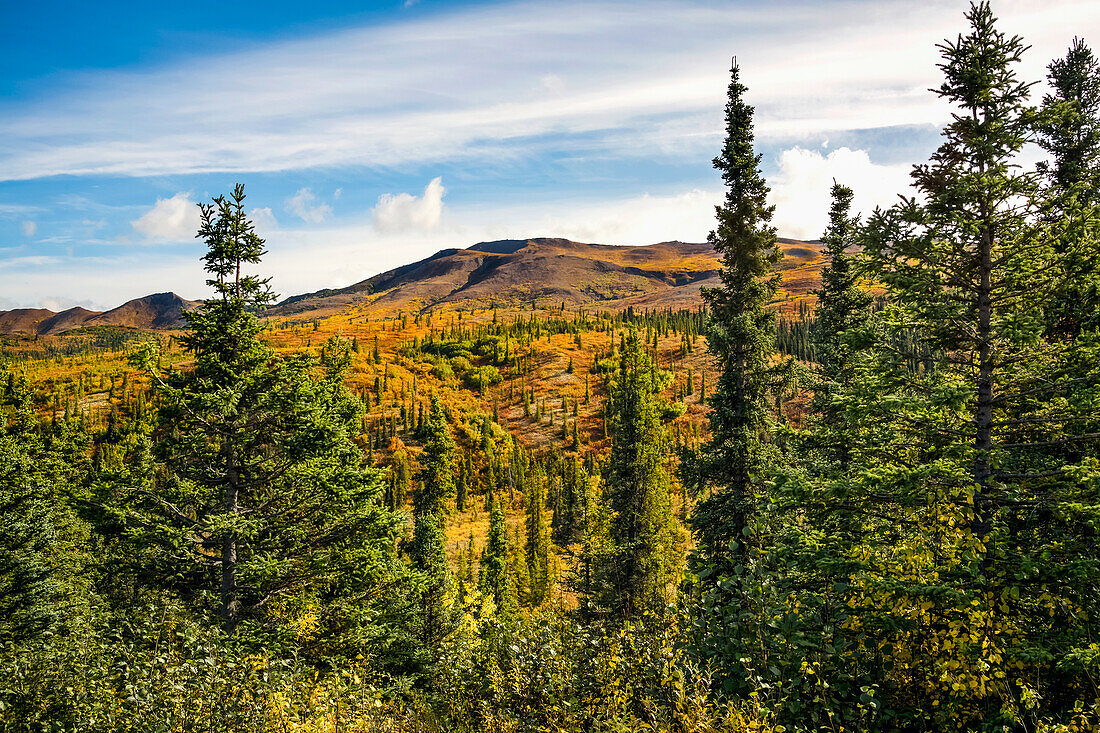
(494, 580)
(429, 553)
(732, 466)
(546, 672)
(645, 554)
(895, 525)
(930, 569)
(1069, 129)
(43, 545)
(263, 510)
(537, 547)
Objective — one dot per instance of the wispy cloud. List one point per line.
(8, 211)
(426, 89)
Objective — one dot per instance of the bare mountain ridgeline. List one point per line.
(160, 311)
(506, 273)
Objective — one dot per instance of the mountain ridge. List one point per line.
(154, 312)
(550, 270)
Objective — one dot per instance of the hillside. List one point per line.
(544, 272)
(159, 311)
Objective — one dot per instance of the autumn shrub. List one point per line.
(548, 672)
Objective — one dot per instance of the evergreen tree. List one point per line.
(429, 545)
(43, 546)
(402, 477)
(964, 414)
(264, 498)
(537, 546)
(842, 305)
(493, 578)
(645, 541)
(1069, 129)
(733, 465)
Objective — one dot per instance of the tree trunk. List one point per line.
(230, 604)
(983, 414)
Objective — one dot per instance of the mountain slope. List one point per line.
(545, 271)
(160, 311)
(155, 312)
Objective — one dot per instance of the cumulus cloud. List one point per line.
(305, 205)
(800, 191)
(403, 211)
(263, 219)
(30, 228)
(174, 219)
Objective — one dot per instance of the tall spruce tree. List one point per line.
(1070, 128)
(842, 304)
(537, 546)
(263, 499)
(731, 468)
(645, 555)
(429, 546)
(493, 577)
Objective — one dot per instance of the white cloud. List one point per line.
(15, 210)
(645, 219)
(800, 191)
(304, 205)
(263, 219)
(30, 228)
(29, 261)
(170, 220)
(645, 79)
(403, 211)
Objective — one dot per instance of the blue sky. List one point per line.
(372, 134)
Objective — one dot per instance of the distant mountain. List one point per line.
(545, 272)
(160, 311)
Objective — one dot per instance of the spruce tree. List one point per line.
(966, 420)
(1069, 130)
(645, 543)
(493, 578)
(730, 469)
(263, 497)
(429, 544)
(44, 566)
(842, 305)
(537, 546)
